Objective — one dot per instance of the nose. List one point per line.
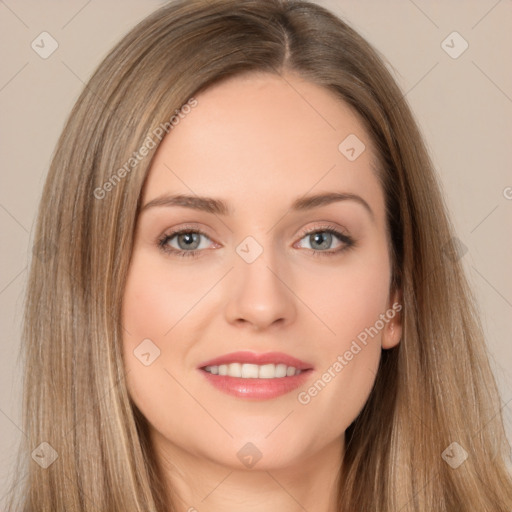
(260, 295)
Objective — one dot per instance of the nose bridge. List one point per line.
(258, 293)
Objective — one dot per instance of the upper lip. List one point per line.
(259, 359)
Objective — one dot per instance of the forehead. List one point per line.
(259, 138)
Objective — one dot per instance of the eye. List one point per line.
(188, 242)
(320, 239)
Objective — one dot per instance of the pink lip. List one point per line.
(258, 389)
(254, 358)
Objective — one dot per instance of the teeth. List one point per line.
(253, 371)
(267, 371)
(249, 371)
(280, 370)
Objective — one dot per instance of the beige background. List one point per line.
(463, 105)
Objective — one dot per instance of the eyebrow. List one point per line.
(219, 207)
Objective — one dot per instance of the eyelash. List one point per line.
(349, 242)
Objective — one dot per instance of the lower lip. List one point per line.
(258, 389)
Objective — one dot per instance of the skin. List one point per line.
(257, 142)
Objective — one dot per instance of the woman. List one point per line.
(250, 296)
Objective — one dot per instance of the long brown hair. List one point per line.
(434, 389)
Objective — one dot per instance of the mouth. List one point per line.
(256, 376)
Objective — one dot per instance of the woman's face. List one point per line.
(274, 274)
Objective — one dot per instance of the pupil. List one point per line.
(325, 236)
(188, 238)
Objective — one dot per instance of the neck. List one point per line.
(198, 484)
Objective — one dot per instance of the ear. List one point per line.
(392, 332)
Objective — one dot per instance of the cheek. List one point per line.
(350, 359)
(350, 298)
(157, 296)
(352, 307)
(146, 305)
(149, 311)
(153, 304)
